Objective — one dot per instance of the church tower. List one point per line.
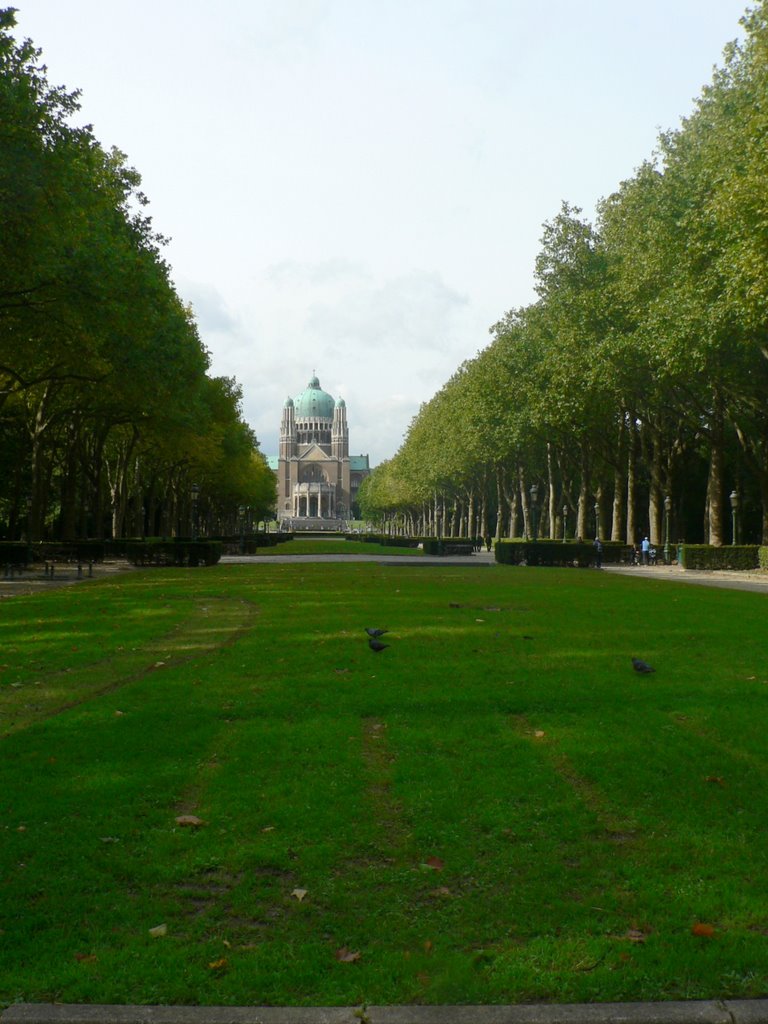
(340, 431)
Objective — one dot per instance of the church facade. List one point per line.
(317, 478)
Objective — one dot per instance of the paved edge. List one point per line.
(738, 1011)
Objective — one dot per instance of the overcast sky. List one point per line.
(357, 187)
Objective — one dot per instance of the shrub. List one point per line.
(173, 552)
(14, 553)
(446, 545)
(524, 552)
(762, 557)
(706, 556)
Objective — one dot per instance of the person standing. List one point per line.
(598, 544)
(645, 547)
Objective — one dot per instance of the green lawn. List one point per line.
(494, 809)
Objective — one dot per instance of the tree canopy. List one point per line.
(107, 411)
(632, 393)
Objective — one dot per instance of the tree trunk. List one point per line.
(524, 503)
(715, 479)
(499, 502)
(617, 512)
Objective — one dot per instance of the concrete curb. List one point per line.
(736, 1011)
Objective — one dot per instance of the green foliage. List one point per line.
(641, 371)
(156, 551)
(733, 556)
(12, 553)
(106, 409)
(547, 553)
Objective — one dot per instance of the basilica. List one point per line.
(317, 478)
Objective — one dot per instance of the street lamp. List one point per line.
(597, 520)
(534, 492)
(734, 516)
(565, 523)
(667, 510)
(195, 492)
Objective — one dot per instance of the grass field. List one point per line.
(494, 809)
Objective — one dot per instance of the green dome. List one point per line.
(314, 403)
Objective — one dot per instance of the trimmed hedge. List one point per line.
(523, 552)
(173, 552)
(384, 539)
(447, 546)
(14, 553)
(705, 556)
(64, 551)
(762, 557)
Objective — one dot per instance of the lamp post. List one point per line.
(565, 523)
(597, 520)
(734, 516)
(534, 492)
(667, 510)
(195, 492)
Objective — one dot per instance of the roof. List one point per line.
(314, 403)
(359, 463)
(273, 461)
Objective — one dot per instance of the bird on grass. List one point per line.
(642, 666)
(376, 645)
(376, 632)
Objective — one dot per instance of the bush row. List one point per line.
(155, 551)
(384, 539)
(734, 556)
(523, 552)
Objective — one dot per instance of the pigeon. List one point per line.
(642, 666)
(376, 632)
(376, 645)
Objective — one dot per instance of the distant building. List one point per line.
(317, 478)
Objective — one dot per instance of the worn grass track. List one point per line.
(494, 809)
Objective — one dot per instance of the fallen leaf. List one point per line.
(452, 604)
(158, 931)
(716, 779)
(22, 828)
(340, 671)
(299, 894)
(85, 958)
(479, 620)
(268, 828)
(434, 863)
(218, 965)
(119, 714)
(703, 931)
(428, 946)
(539, 734)
(442, 891)
(347, 956)
(159, 664)
(109, 839)
(189, 821)
(635, 935)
